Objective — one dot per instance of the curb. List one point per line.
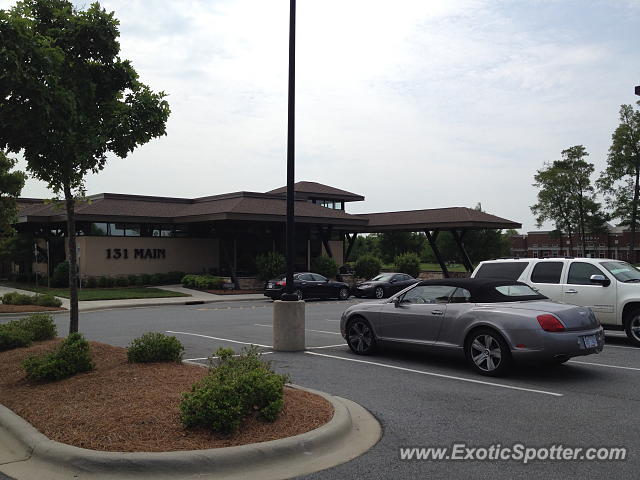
(350, 433)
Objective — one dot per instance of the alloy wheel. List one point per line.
(379, 292)
(634, 328)
(360, 337)
(343, 294)
(298, 293)
(486, 352)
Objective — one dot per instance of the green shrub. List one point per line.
(133, 280)
(91, 282)
(233, 388)
(159, 279)
(70, 357)
(145, 279)
(139, 281)
(15, 298)
(189, 281)
(155, 347)
(122, 281)
(60, 277)
(39, 326)
(367, 266)
(47, 301)
(325, 266)
(174, 277)
(102, 282)
(408, 263)
(12, 336)
(270, 265)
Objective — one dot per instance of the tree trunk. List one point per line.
(581, 226)
(634, 216)
(570, 242)
(73, 260)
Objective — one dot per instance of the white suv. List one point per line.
(611, 288)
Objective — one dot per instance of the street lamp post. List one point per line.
(291, 117)
(288, 313)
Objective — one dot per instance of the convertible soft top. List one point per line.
(483, 290)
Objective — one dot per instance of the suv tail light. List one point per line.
(549, 323)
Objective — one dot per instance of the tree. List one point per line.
(67, 100)
(392, 244)
(567, 197)
(11, 184)
(620, 181)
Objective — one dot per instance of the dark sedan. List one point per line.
(307, 285)
(384, 285)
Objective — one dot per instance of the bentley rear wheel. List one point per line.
(487, 352)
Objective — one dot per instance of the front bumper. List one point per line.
(362, 292)
(527, 345)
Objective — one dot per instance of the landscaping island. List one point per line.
(133, 407)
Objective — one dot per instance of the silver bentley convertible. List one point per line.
(494, 322)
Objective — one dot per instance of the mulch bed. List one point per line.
(134, 407)
(27, 308)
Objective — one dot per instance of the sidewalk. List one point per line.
(195, 298)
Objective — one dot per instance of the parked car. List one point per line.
(493, 322)
(384, 285)
(307, 285)
(611, 288)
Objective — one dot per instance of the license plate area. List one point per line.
(590, 341)
(269, 285)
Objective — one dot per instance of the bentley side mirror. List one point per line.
(600, 280)
(396, 302)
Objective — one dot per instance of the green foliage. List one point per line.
(620, 180)
(145, 279)
(11, 184)
(566, 196)
(270, 265)
(15, 298)
(202, 282)
(234, 387)
(392, 244)
(365, 245)
(70, 357)
(122, 281)
(155, 347)
(91, 282)
(159, 279)
(60, 277)
(133, 280)
(408, 263)
(325, 266)
(39, 326)
(12, 336)
(174, 277)
(69, 100)
(367, 266)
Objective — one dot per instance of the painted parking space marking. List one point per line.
(306, 329)
(608, 345)
(328, 346)
(214, 357)
(439, 375)
(220, 339)
(604, 365)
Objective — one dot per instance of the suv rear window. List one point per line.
(508, 270)
(547, 272)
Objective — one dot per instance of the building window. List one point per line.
(116, 229)
(132, 230)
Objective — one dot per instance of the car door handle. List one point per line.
(437, 312)
(571, 291)
(303, 283)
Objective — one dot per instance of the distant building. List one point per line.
(548, 244)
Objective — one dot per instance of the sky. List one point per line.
(412, 103)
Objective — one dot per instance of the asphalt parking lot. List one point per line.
(423, 399)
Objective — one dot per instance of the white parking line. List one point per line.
(440, 375)
(221, 339)
(327, 346)
(620, 346)
(207, 358)
(603, 365)
(306, 329)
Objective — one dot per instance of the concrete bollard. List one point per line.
(288, 326)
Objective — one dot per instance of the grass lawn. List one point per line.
(99, 293)
(456, 267)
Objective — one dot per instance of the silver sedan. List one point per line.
(493, 322)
